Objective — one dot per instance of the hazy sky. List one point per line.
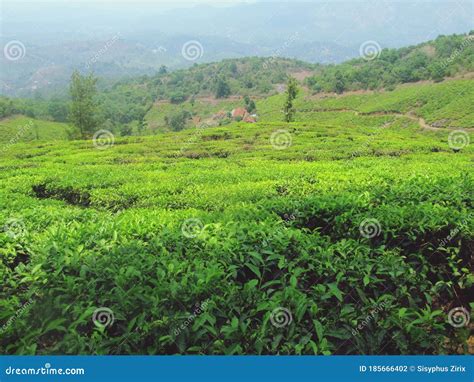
(131, 2)
(392, 22)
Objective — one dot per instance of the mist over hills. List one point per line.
(133, 40)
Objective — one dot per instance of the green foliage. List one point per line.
(83, 113)
(280, 229)
(126, 130)
(446, 56)
(222, 89)
(23, 129)
(291, 93)
(177, 121)
(250, 105)
(58, 110)
(234, 77)
(177, 97)
(54, 109)
(142, 125)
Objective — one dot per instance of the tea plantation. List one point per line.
(341, 233)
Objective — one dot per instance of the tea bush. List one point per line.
(353, 239)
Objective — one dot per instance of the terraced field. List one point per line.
(24, 129)
(446, 104)
(340, 233)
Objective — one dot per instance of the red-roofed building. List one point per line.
(249, 119)
(239, 112)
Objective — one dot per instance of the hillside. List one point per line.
(127, 101)
(446, 56)
(197, 89)
(447, 104)
(237, 178)
(23, 129)
(327, 218)
(206, 89)
(51, 47)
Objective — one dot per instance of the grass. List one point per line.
(265, 238)
(25, 129)
(155, 118)
(450, 103)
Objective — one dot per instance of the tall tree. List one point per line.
(249, 104)
(83, 112)
(222, 89)
(291, 93)
(142, 125)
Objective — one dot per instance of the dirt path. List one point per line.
(410, 115)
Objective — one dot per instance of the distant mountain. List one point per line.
(138, 38)
(47, 68)
(129, 99)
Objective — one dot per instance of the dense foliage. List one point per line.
(444, 57)
(83, 111)
(123, 105)
(55, 109)
(276, 224)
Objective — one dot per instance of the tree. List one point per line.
(177, 97)
(222, 89)
(249, 104)
(126, 130)
(233, 68)
(58, 110)
(177, 121)
(35, 128)
(291, 93)
(437, 71)
(83, 112)
(141, 125)
(339, 83)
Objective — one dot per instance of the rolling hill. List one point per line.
(129, 42)
(208, 88)
(326, 219)
(448, 104)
